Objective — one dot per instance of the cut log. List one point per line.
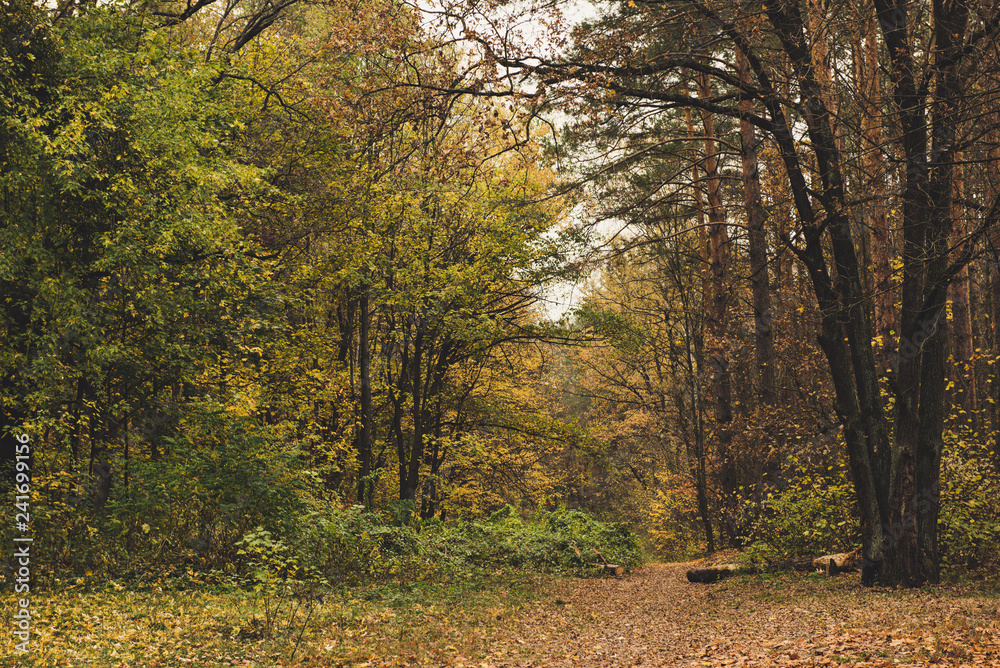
(608, 568)
(838, 563)
(611, 568)
(804, 564)
(713, 573)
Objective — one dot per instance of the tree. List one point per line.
(639, 57)
(128, 282)
(649, 373)
(406, 240)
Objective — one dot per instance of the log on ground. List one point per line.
(838, 563)
(612, 568)
(713, 573)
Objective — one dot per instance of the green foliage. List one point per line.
(126, 285)
(810, 513)
(348, 544)
(617, 328)
(546, 541)
(229, 500)
(187, 508)
(277, 579)
(225, 477)
(969, 524)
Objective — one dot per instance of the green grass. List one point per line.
(437, 622)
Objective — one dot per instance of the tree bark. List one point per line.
(366, 485)
(759, 277)
(410, 475)
(873, 177)
(963, 371)
(716, 573)
(716, 310)
(698, 459)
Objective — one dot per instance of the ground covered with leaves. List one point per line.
(656, 618)
(652, 617)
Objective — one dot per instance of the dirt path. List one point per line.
(654, 617)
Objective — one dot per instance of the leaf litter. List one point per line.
(655, 617)
(652, 617)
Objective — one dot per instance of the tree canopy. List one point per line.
(266, 261)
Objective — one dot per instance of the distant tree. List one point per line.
(650, 57)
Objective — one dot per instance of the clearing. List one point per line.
(652, 617)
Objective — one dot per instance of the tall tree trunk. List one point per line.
(410, 476)
(928, 146)
(698, 456)
(819, 44)
(963, 374)
(759, 278)
(699, 208)
(366, 485)
(717, 320)
(873, 177)
(994, 307)
(895, 477)
(991, 301)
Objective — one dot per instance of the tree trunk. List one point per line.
(994, 269)
(716, 311)
(895, 477)
(963, 373)
(699, 209)
(410, 476)
(872, 178)
(715, 573)
(759, 279)
(698, 460)
(366, 485)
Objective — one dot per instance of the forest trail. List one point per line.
(655, 617)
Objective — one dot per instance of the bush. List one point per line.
(546, 541)
(673, 523)
(350, 544)
(187, 508)
(214, 496)
(814, 513)
(969, 524)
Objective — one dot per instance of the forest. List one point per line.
(366, 289)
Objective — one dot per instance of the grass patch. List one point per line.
(446, 621)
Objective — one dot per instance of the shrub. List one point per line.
(546, 541)
(187, 508)
(813, 513)
(350, 544)
(673, 524)
(969, 524)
